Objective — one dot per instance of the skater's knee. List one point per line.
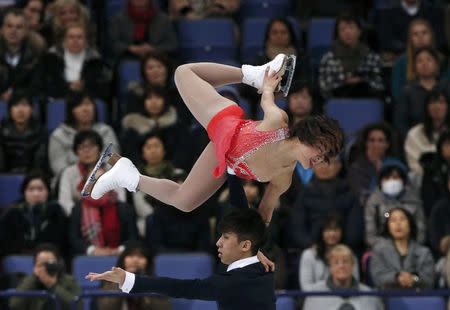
(181, 71)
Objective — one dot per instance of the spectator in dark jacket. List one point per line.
(409, 110)
(434, 182)
(376, 144)
(74, 66)
(155, 114)
(22, 138)
(439, 225)
(19, 56)
(33, 220)
(399, 261)
(141, 28)
(324, 194)
(392, 25)
(156, 71)
(171, 230)
(350, 68)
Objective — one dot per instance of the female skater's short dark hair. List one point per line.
(247, 224)
(322, 132)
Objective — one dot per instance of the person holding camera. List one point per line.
(48, 274)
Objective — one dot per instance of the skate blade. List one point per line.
(87, 188)
(288, 75)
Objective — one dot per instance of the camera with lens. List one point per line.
(53, 268)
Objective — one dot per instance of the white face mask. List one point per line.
(392, 187)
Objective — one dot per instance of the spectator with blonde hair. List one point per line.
(63, 13)
(341, 262)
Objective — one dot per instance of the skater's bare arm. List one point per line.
(274, 117)
(271, 196)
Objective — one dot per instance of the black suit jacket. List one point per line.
(241, 288)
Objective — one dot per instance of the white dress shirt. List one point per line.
(131, 277)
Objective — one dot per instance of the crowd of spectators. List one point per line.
(378, 215)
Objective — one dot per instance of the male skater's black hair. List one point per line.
(247, 224)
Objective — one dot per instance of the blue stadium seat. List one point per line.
(113, 7)
(206, 39)
(265, 8)
(285, 303)
(56, 112)
(253, 32)
(384, 4)
(82, 265)
(180, 303)
(415, 303)
(203, 305)
(18, 264)
(320, 37)
(354, 114)
(3, 109)
(102, 110)
(184, 265)
(129, 70)
(10, 188)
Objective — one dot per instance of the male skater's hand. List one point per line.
(267, 263)
(271, 80)
(116, 275)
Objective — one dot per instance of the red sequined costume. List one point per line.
(235, 139)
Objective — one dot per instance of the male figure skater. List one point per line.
(245, 284)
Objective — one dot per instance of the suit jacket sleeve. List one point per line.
(206, 289)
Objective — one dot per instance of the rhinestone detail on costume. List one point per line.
(249, 141)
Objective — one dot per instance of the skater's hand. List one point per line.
(116, 275)
(271, 81)
(267, 263)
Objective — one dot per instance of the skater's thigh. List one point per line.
(200, 183)
(200, 97)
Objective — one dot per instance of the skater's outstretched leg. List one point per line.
(195, 190)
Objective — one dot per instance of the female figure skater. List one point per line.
(266, 151)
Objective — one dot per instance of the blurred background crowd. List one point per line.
(76, 75)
